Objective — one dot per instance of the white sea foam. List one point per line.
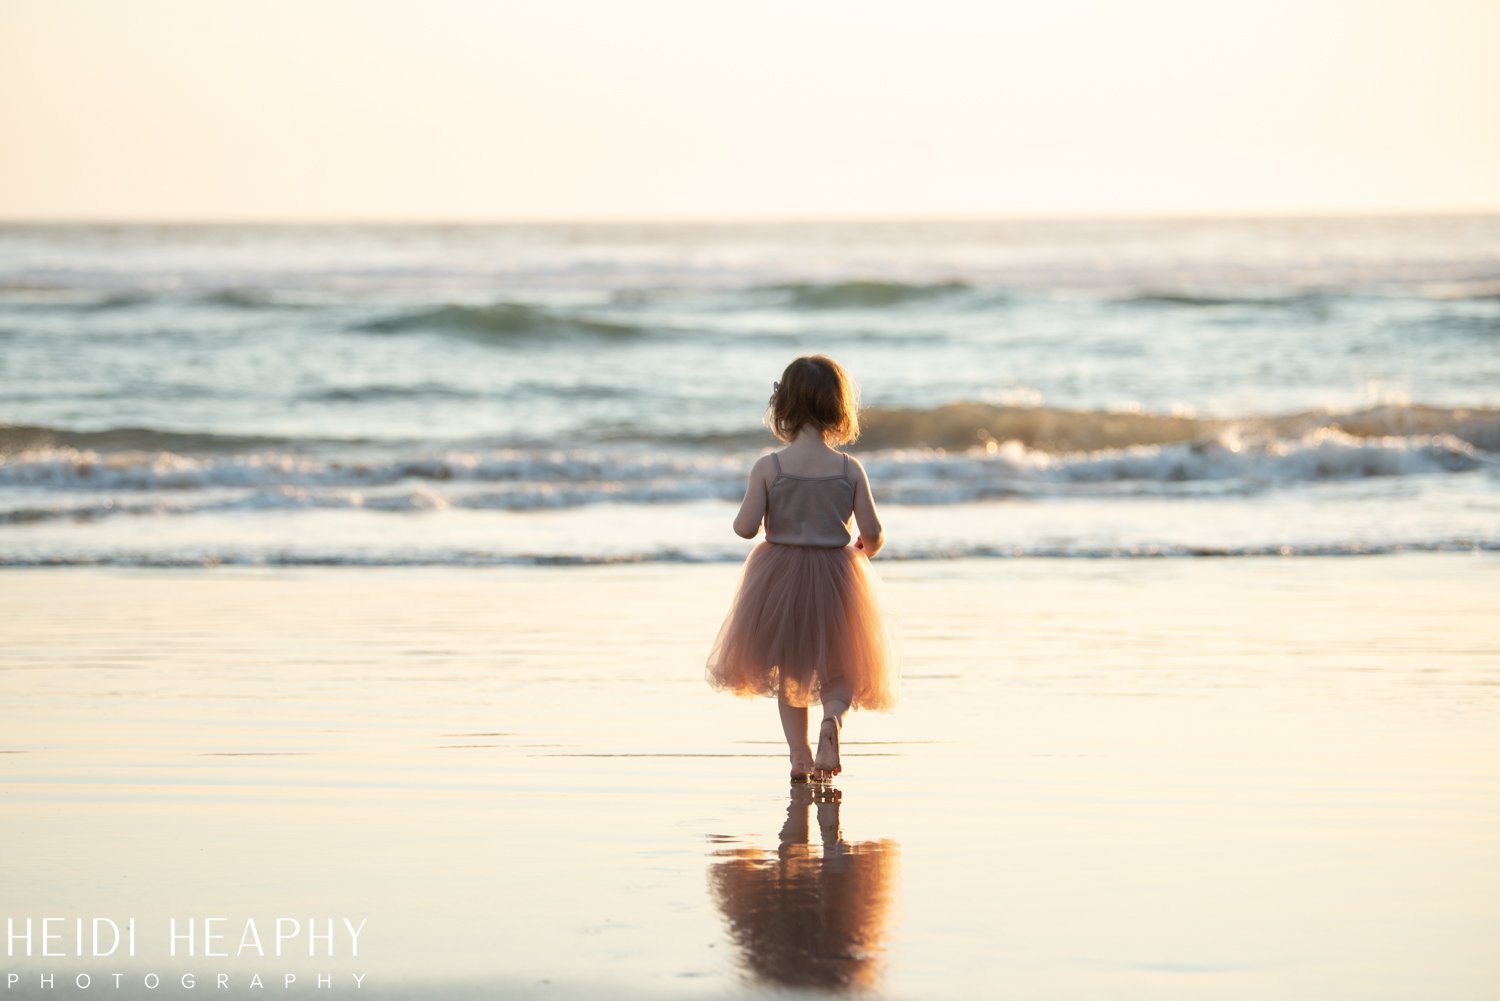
(67, 482)
(229, 556)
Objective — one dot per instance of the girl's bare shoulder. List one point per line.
(765, 466)
(857, 473)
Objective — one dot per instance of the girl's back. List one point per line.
(809, 510)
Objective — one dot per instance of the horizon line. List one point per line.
(788, 219)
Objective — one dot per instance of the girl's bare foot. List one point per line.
(802, 763)
(826, 765)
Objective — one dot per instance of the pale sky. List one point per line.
(608, 109)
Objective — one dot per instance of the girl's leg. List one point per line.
(794, 725)
(835, 704)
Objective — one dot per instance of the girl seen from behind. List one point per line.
(806, 625)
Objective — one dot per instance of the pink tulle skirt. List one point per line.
(808, 620)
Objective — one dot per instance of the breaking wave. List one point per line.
(428, 390)
(1054, 429)
(24, 438)
(954, 427)
(231, 556)
(863, 294)
(1314, 301)
(248, 298)
(501, 321)
(67, 300)
(50, 484)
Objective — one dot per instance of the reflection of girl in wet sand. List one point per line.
(804, 919)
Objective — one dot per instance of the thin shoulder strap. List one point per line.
(776, 461)
(846, 464)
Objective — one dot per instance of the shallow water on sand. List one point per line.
(1237, 779)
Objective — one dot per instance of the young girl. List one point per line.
(806, 624)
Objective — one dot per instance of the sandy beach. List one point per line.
(393, 396)
(1241, 778)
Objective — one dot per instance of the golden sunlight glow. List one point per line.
(469, 109)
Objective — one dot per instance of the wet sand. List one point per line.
(1250, 778)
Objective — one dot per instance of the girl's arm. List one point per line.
(871, 534)
(753, 507)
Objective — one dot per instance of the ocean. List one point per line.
(198, 395)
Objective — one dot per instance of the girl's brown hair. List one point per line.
(814, 392)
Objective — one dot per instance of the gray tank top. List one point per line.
(809, 510)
